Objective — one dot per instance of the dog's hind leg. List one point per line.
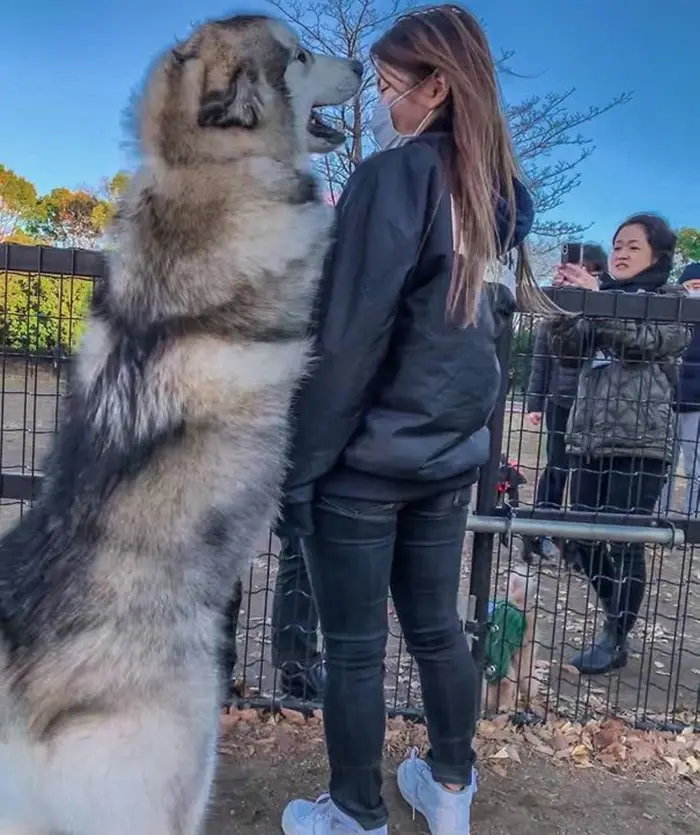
(20, 789)
(189, 816)
(147, 773)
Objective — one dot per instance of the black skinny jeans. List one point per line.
(359, 551)
(616, 485)
(552, 482)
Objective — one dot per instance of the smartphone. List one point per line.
(572, 254)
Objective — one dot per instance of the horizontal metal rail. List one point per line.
(19, 486)
(650, 307)
(669, 536)
(47, 260)
(567, 524)
(690, 525)
(595, 517)
(86, 263)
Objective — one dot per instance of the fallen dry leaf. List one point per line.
(580, 755)
(616, 750)
(609, 761)
(227, 721)
(248, 714)
(560, 742)
(513, 752)
(604, 738)
(678, 766)
(294, 717)
(642, 752)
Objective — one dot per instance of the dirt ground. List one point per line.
(256, 779)
(662, 681)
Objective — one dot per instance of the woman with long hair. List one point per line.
(391, 425)
(620, 429)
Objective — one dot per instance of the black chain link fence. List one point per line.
(44, 293)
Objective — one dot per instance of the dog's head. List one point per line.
(240, 86)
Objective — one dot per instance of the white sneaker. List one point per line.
(447, 812)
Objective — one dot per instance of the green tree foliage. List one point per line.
(110, 191)
(18, 200)
(39, 313)
(688, 246)
(70, 218)
(77, 218)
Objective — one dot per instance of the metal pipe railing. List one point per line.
(668, 536)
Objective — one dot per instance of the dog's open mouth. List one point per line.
(322, 130)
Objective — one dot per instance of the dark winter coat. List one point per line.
(688, 396)
(398, 400)
(548, 377)
(628, 376)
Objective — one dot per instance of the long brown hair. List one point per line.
(483, 165)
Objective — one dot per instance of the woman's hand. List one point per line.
(573, 275)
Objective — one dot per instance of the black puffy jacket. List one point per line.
(628, 375)
(398, 399)
(688, 393)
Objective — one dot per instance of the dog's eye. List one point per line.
(302, 57)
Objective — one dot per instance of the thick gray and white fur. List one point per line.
(169, 456)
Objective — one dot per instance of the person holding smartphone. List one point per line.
(550, 395)
(620, 429)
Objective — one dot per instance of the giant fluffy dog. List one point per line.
(170, 453)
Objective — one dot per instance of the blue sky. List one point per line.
(68, 73)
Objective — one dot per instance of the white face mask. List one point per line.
(382, 124)
(694, 294)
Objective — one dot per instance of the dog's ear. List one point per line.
(239, 104)
(186, 50)
(182, 54)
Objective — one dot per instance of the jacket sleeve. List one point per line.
(376, 246)
(540, 370)
(571, 341)
(639, 340)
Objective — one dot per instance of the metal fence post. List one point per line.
(482, 543)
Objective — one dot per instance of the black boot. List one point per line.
(543, 547)
(608, 652)
(574, 552)
(303, 682)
